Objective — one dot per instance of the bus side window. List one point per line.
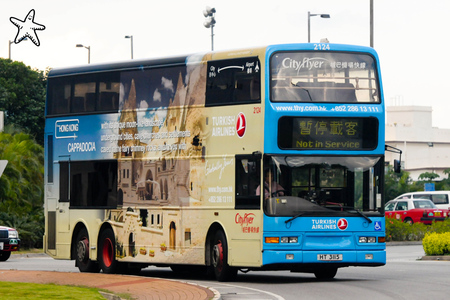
(63, 181)
(88, 183)
(247, 180)
(233, 81)
(59, 94)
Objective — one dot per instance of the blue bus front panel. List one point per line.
(324, 240)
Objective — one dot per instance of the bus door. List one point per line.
(63, 237)
(50, 198)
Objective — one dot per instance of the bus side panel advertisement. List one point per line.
(164, 141)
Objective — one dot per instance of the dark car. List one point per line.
(9, 241)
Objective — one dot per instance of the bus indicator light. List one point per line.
(272, 240)
(241, 125)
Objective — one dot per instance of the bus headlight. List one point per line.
(367, 239)
(289, 239)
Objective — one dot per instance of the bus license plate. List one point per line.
(1, 245)
(329, 257)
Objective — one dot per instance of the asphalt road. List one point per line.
(403, 277)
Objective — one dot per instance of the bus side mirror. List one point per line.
(397, 166)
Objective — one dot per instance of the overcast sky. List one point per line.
(410, 36)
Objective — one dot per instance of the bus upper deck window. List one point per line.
(324, 77)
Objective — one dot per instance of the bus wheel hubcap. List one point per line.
(107, 253)
(82, 250)
(218, 255)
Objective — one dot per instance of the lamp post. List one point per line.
(131, 38)
(89, 51)
(12, 42)
(209, 13)
(9, 52)
(371, 23)
(326, 16)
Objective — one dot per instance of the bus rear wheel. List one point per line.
(107, 252)
(82, 258)
(219, 258)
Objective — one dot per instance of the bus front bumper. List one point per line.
(341, 258)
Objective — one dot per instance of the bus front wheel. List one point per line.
(219, 259)
(326, 274)
(82, 258)
(107, 252)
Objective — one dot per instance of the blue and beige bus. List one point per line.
(268, 158)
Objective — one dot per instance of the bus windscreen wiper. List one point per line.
(361, 214)
(294, 217)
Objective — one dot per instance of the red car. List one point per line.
(415, 210)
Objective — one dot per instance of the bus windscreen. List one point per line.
(323, 77)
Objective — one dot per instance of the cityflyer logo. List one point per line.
(246, 222)
(342, 224)
(241, 125)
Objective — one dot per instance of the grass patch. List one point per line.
(28, 251)
(19, 290)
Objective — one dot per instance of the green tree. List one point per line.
(428, 176)
(396, 184)
(447, 172)
(444, 184)
(21, 185)
(22, 97)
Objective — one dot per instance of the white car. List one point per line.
(440, 198)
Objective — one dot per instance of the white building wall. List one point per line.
(425, 148)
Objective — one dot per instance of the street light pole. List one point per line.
(325, 16)
(89, 51)
(9, 52)
(209, 13)
(131, 38)
(371, 23)
(9, 46)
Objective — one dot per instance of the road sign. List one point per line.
(3, 164)
(429, 187)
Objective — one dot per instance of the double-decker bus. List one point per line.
(269, 158)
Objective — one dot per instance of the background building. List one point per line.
(425, 148)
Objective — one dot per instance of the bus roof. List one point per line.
(118, 66)
(180, 60)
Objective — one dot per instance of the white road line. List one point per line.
(252, 289)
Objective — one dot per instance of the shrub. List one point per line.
(436, 243)
(441, 227)
(396, 230)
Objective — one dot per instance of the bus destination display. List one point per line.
(326, 133)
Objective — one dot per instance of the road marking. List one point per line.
(252, 289)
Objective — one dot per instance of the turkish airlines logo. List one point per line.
(342, 224)
(241, 125)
